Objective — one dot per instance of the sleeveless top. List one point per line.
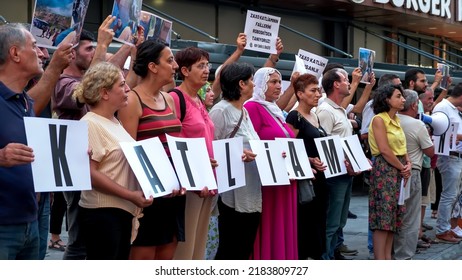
(157, 123)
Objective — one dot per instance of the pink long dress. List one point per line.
(277, 235)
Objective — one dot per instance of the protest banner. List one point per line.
(444, 68)
(192, 163)
(151, 166)
(56, 22)
(156, 28)
(127, 15)
(231, 171)
(313, 64)
(262, 32)
(270, 162)
(366, 63)
(61, 160)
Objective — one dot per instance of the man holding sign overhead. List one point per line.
(333, 119)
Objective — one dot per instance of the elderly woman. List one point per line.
(240, 208)
(305, 125)
(194, 69)
(391, 168)
(151, 113)
(115, 199)
(277, 235)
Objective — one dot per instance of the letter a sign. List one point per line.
(61, 158)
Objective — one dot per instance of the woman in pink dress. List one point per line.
(277, 235)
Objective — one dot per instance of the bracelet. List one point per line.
(274, 61)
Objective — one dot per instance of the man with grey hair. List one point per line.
(20, 61)
(418, 143)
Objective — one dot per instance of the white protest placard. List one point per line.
(192, 163)
(366, 63)
(231, 170)
(314, 64)
(270, 162)
(331, 153)
(445, 143)
(156, 28)
(61, 154)
(56, 22)
(262, 32)
(151, 166)
(127, 15)
(296, 160)
(355, 153)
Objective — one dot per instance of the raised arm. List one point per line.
(274, 58)
(241, 42)
(43, 90)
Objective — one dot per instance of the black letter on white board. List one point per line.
(231, 181)
(270, 162)
(351, 152)
(295, 162)
(148, 169)
(58, 154)
(331, 156)
(183, 147)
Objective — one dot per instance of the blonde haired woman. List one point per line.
(110, 208)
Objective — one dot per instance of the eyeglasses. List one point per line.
(202, 66)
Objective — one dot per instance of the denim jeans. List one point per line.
(450, 168)
(19, 241)
(339, 195)
(43, 222)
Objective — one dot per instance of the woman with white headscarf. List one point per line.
(277, 235)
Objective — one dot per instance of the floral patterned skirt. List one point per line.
(384, 211)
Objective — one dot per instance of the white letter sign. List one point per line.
(331, 152)
(230, 171)
(61, 154)
(151, 166)
(270, 163)
(192, 163)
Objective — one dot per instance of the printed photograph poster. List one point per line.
(366, 63)
(155, 28)
(262, 32)
(58, 21)
(152, 168)
(444, 68)
(355, 153)
(314, 64)
(60, 147)
(270, 162)
(331, 154)
(192, 163)
(296, 160)
(231, 171)
(125, 26)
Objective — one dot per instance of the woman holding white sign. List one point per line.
(240, 208)
(194, 70)
(151, 113)
(115, 201)
(277, 235)
(305, 125)
(391, 169)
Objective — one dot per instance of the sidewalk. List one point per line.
(355, 233)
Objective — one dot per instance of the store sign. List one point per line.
(440, 8)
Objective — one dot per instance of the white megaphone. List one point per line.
(439, 122)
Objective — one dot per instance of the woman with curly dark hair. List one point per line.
(391, 168)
